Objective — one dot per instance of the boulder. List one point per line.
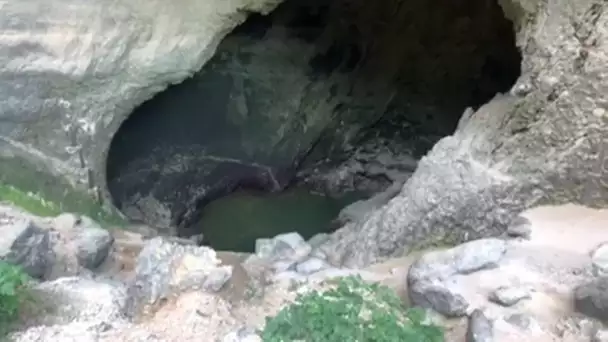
(520, 227)
(443, 297)
(509, 296)
(591, 299)
(463, 259)
(431, 282)
(167, 268)
(27, 245)
(480, 328)
(91, 242)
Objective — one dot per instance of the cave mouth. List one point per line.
(295, 94)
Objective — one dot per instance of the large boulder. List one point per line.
(165, 268)
(544, 142)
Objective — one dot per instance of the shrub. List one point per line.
(351, 311)
(13, 293)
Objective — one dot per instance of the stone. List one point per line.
(317, 240)
(520, 227)
(523, 321)
(167, 268)
(591, 298)
(600, 336)
(284, 247)
(599, 260)
(92, 243)
(311, 266)
(75, 299)
(480, 327)
(443, 298)
(24, 243)
(509, 296)
(358, 210)
(463, 259)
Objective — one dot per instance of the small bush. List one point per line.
(13, 293)
(352, 311)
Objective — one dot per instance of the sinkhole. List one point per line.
(219, 153)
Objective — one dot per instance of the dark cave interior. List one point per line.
(300, 85)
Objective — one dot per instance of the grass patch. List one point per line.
(28, 201)
(353, 311)
(39, 206)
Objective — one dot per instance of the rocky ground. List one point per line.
(543, 281)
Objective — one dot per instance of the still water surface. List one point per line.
(234, 222)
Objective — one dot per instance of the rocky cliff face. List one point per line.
(308, 83)
(542, 143)
(72, 72)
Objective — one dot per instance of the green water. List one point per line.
(234, 222)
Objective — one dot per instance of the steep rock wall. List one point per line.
(71, 72)
(544, 142)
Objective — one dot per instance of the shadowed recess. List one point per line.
(301, 85)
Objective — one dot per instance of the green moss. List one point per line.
(23, 185)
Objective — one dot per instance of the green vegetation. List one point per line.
(28, 201)
(23, 184)
(37, 205)
(351, 311)
(13, 294)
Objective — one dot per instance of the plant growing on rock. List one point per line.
(351, 311)
(13, 293)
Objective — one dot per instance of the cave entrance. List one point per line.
(318, 94)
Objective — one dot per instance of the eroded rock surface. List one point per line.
(71, 73)
(542, 145)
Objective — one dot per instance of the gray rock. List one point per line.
(75, 299)
(591, 298)
(92, 242)
(283, 265)
(289, 278)
(523, 321)
(509, 296)
(284, 247)
(311, 266)
(600, 336)
(599, 260)
(317, 240)
(463, 259)
(25, 244)
(165, 268)
(480, 328)
(520, 227)
(440, 297)
(358, 210)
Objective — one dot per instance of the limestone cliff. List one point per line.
(544, 142)
(72, 71)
